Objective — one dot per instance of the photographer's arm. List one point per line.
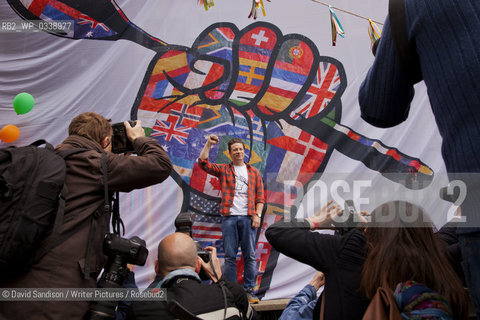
(385, 94)
(152, 164)
(216, 273)
(295, 240)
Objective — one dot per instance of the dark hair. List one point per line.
(235, 140)
(401, 246)
(90, 125)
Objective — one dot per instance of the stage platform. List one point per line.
(270, 309)
(270, 305)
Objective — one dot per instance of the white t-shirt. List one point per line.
(240, 198)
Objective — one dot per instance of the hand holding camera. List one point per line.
(350, 219)
(324, 217)
(124, 133)
(135, 131)
(212, 267)
(331, 216)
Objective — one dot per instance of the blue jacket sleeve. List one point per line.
(301, 306)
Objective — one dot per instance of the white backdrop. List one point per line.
(67, 77)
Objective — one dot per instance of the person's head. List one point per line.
(92, 126)
(401, 246)
(177, 251)
(236, 150)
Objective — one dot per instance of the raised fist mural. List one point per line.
(274, 91)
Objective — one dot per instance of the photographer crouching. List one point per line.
(177, 270)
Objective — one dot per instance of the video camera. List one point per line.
(120, 141)
(119, 251)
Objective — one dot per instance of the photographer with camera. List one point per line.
(75, 257)
(177, 270)
(396, 245)
(339, 257)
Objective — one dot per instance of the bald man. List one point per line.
(177, 269)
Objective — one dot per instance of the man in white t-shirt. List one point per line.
(241, 208)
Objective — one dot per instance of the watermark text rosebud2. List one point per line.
(300, 200)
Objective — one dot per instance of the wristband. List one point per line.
(314, 224)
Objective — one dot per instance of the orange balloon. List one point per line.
(9, 133)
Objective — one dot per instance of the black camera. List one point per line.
(183, 223)
(119, 251)
(204, 254)
(120, 141)
(348, 218)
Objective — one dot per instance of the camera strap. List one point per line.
(213, 269)
(117, 222)
(104, 210)
(224, 296)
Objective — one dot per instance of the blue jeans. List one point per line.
(470, 245)
(238, 230)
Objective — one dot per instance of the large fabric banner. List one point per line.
(277, 82)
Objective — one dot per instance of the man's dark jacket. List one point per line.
(64, 266)
(206, 301)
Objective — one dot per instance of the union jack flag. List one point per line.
(323, 88)
(84, 19)
(170, 130)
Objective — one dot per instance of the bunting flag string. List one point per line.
(348, 12)
(374, 32)
(206, 3)
(257, 5)
(336, 26)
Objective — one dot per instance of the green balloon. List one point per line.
(23, 103)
